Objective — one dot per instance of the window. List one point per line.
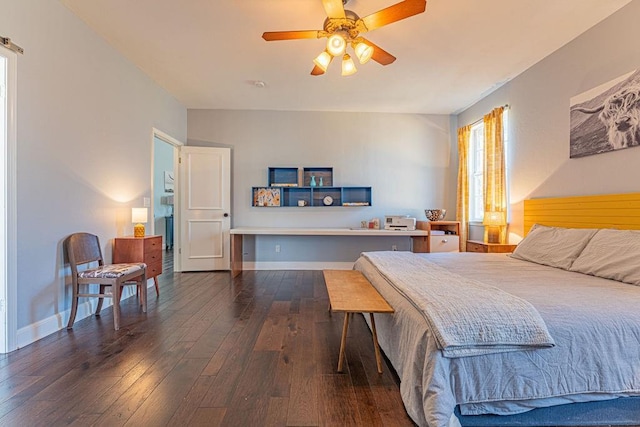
(476, 167)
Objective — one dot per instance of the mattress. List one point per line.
(595, 324)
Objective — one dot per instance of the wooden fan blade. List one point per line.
(317, 71)
(289, 35)
(394, 13)
(380, 55)
(334, 8)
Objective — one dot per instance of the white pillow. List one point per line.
(612, 254)
(553, 246)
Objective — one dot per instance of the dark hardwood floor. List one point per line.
(260, 350)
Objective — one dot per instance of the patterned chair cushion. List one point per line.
(112, 271)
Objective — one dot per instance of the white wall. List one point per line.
(405, 158)
(539, 117)
(85, 119)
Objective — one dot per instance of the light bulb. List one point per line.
(336, 45)
(364, 52)
(323, 60)
(348, 67)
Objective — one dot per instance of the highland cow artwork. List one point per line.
(607, 117)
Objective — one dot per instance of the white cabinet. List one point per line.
(444, 243)
(444, 236)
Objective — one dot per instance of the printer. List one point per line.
(399, 222)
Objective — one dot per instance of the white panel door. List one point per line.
(205, 185)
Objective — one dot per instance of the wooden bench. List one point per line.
(350, 292)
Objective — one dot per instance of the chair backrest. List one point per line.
(83, 248)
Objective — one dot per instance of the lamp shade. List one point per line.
(364, 52)
(139, 215)
(323, 60)
(348, 67)
(494, 219)
(336, 44)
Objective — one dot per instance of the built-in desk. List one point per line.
(238, 233)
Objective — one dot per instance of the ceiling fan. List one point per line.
(343, 27)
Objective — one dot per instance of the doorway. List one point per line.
(165, 155)
(163, 191)
(8, 240)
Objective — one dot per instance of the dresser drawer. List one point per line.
(153, 257)
(152, 244)
(490, 248)
(476, 247)
(444, 243)
(154, 269)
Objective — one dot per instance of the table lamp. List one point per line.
(139, 218)
(493, 221)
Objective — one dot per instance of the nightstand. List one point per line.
(489, 248)
(147, 249)
(443, 236)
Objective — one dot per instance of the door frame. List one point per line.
(9, 285)
(156, 133)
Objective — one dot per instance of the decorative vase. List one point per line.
(313, 181)
(320, 184)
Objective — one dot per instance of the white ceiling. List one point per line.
(208, 53)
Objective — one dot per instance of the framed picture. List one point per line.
(168, 181)
(606, 118)
(266, 196)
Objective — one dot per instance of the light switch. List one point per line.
(146, 202)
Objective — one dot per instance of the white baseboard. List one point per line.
(302, 265)
(35, 331)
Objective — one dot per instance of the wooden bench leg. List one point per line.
(343, 341)
(375, 343)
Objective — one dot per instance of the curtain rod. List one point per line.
(482, 118)
(6, 42)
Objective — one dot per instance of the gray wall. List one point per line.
(85, 118)
(539, 117)
(405, 158)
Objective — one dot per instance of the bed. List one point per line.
(581, 363)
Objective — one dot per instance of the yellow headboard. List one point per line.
(621, 211)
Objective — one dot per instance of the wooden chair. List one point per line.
(84, 248)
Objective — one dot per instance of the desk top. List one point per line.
(286, 231)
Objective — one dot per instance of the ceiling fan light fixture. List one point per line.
(348, 67)
(323, 60)
(336, 44)
(364, 52)
(342, 27)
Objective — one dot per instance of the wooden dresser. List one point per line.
(147, 249)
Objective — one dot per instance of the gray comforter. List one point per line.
(467, 317)
(595, 324)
